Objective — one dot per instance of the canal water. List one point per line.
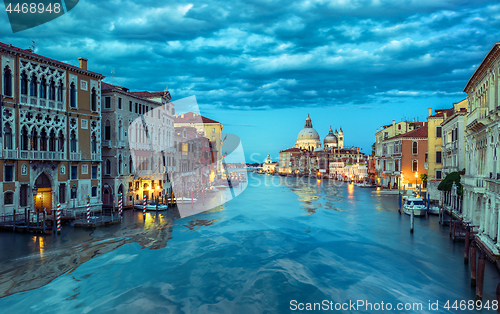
(281, 243)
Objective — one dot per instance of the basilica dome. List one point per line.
(308, 137)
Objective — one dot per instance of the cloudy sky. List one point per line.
(259, 67)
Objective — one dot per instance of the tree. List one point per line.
(447, 183)
(373, 149)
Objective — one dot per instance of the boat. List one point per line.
(221, 187)
(434, 210)
(365, 185)
(416, 204)
(151, 207)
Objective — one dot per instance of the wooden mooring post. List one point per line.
(480, 275)
(473, 263)
(451, 220)
(467, 242)
(14, 222)
(28, 222)
(412, 220)
(44, 215)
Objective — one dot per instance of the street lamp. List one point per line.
(416, 178)
(73, 194)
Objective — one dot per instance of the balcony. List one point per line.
(96, 157)
(33, 101)
(122, 144)
(106, 144)
(10, 154)
(75, 156)
(474, 183)
(477, 119)
(42, 103)
(42, 155)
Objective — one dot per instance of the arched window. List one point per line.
(60, 90)
(120, 130)
(72, 95)
(120, 164)
(43, 88)
(43, 140)
(7, 81)
(415, 165)
(34, 139)
(415, 148)
(108, 167)
(7, 136)
(61, 141)
(73, 141)
(94, 143)
(52, 90)
(107, 131)
(130, 165)
(33, 86)
(52, 141)
(24, 138)
(24, 84)
(94, 99)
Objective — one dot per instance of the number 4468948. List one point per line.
(34, 8)
(472, 305)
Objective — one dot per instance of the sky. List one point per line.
(260, 67)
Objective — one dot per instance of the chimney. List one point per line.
(430, 112)
(445, 115)
(83, 63)
(394, 123)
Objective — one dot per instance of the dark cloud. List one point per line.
(276, 54)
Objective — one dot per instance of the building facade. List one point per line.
(50, 112)
(137, 145)
(481, 182)
(453, 128)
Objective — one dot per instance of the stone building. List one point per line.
(481, 182)
(453, 128)
(50, 113)
(137, 144)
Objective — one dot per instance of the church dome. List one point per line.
(308, 134)
(330, 138)
(308, 138)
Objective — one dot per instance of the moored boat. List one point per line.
(416, 204)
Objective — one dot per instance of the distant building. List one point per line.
(269, 166)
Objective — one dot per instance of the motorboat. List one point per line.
(185, 200)
(434, 210)
(151, 207)
(415, 204)
(365, 185)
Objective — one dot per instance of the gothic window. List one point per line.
(24, 138)
(24, 84)
(72, 95)
(33, 86)
(23, 197)
(52, 90)
(34, 139)
(94, 99)
(7, 137)
(43, 88)
(60, 89)
(7, 79)
(61, 141)
(107, 131)
(52, 141)
(415, 148)
(43, 140)
(130, 165)
(108, 167)
(415, 165)
(73, 141)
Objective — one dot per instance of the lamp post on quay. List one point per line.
(73, 194)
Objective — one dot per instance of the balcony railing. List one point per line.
(477, 118)
(24, 99)
(42, 155)
(121, 144)
(106, 143)
(95, 157)
(33, 101)
(75, 156)
(10, 154)
(42, 102)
